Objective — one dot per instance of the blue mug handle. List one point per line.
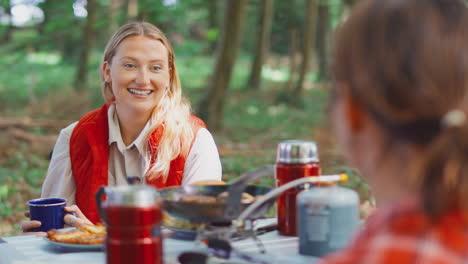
(72, 213)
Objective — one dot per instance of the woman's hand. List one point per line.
(78, 220)
(28, 225)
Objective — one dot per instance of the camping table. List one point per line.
(36, 250)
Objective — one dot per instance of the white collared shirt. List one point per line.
(202, 162)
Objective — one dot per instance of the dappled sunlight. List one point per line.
(275, 110)
(252, 110)
(44, 58)
(23, 14)
(272, 74)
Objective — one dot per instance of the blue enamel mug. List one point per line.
(49, 211)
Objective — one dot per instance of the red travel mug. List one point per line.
(295, 159)
(132, 215)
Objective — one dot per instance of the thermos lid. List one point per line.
(297, 152)
(131, 195)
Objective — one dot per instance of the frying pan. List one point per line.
(219, 211)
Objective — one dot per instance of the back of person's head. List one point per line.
(405, 63)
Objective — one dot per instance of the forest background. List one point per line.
(255, 70)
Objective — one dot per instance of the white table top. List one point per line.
(37, 250)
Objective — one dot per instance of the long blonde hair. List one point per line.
(173, 110)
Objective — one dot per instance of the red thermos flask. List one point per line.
(295, 159)
(132, 216)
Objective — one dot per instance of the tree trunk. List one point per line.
(307, 44)
(115, 7)
(348, 4)
(45, 6)
(321, 39)
(7, 34)
(82, 73)
(132, 10)
(211, 107)
(143, 9)
(213, 23)
(263, 44)
(212, 14)
(124, 12)
(292, 59)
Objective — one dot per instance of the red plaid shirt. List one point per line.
(403, 234)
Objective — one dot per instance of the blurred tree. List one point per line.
(349, 4)
(148, 10)
(132, 10)
(307, 44)
(213, 23)
(46, 8)
(293, 32)
(86, 46)
(211, 106)
(263, 43)
(115, 7)
(57, 29)
(322, 38)
(142, 14)
(288, 16)
(6, 5)
(286, 39)
(123, 18)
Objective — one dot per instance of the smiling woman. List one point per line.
(139, 73)
(144, 130)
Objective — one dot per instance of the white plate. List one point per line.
(75, 246)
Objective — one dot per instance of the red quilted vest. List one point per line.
(89, 155)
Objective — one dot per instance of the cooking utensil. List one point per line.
(219, 211)
(222, 249)
(193, 257)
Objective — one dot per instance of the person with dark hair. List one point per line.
(399, 111)
(144, 133)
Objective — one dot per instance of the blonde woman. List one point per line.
(143, 133)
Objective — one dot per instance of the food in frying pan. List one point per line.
(198, 199)
(175, 222)
(86, 234)
(246, 198)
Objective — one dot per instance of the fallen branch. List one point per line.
(31, 137)
(56, 125)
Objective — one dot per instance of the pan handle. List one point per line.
(235, 189)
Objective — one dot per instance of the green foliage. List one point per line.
(212, 34)
(39, 64)
(29, 77)
(20, 180)
(254, 122)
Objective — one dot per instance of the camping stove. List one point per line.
(230, 232)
